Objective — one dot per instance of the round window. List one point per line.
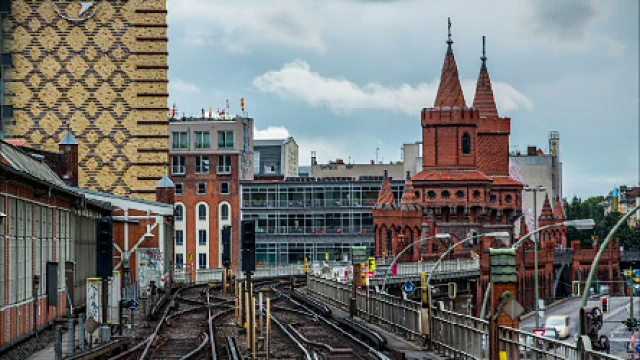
(494, 199)
(476, 194)
(431, 194)
(460, 194)
(508, 199)
(446, 194)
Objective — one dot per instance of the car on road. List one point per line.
(561, 323)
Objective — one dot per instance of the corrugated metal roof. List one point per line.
(24, 162)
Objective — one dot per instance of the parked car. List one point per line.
(561, 323)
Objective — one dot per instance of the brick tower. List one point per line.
(464, 187)
(96, 67)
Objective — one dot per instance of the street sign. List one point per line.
(409, 288)
(134, 304)
(513, 309)
(358, 254)
(541, 332)
(637, 273)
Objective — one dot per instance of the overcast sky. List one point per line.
(347, 77)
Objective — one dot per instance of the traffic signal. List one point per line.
(591, 322)
(306, 265)
(248, 245)
(226, 246)
(326, 256)
(453, 290)
(104, 249)
(605, 304)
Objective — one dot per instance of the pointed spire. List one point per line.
(409, 199)
(484, 100)
(558, 211)
(165, 182)
(546, 208)
(450, 91)
(386, 197)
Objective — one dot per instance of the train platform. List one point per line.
(403, 348)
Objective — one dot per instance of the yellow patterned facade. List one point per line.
(98, 68)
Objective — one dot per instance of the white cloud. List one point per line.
(272, 132)
(296, 81)
(182, 86)
(242, 28)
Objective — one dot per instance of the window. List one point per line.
(202, 261)
(203, 140)
(431, 195)
(476, 194)
(225, 139)
(179, 189)
(466, 144)
(202, 237)
(202, 188)
(179, 261)
(460, 194)
(202, 212)
(179, 212)
(179, 140)
(509, 199)
(225, 188)
(224, 164)
(446, 194)
(179, 165)
(179, 237)
(224, 212)
(494, 198)
(202, 164)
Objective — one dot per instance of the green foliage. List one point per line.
(592, 208)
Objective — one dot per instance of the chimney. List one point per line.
(69, 149)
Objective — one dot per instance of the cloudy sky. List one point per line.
(347, 77)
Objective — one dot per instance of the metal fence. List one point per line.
(448, 269)
(452, 334)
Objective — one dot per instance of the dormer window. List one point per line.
(466, 144)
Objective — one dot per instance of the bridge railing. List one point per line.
(452, 334)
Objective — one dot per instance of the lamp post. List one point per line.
(419, 241)
(535, 191)
(578, 224)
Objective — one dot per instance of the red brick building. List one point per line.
(464, 186)
(209, 158)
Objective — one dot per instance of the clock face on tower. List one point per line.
(76, 11)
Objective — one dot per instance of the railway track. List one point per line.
(201, 324)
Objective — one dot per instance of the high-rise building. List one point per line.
(99, 70)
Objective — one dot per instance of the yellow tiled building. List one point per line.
(96, 68)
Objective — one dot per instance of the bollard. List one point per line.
(83, 335)
(72, 336)
(58, 344)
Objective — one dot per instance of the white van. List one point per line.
(560, 323)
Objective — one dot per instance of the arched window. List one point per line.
(179, 213)
(202, 212)
(224, 212)
(466, 144)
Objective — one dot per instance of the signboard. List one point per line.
(409, 288)
(134, 304)
(358, 254)
(513, 309)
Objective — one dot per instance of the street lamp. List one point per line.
(419, 241)
(580, 224)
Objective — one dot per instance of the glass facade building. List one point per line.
(318, 218)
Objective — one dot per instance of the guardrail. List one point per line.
(448, 269)
(452, 334)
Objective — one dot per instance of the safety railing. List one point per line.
(449, 269)
(390, 312)
(452, 334)
(204, 276)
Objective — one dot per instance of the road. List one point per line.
(612, 326)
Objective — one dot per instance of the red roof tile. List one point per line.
(506, 180)
(450, 91)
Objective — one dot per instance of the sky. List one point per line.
(348, 78)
